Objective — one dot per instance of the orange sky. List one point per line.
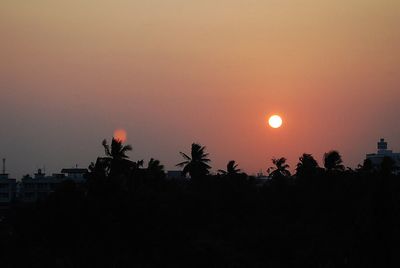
(174, 72)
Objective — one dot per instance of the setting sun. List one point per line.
(275, 121)
(120, 135)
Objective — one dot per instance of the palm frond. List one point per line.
(127, 148)
(106, 147)
(185, 156)
(182, 163)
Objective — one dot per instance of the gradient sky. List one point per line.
(172, 72)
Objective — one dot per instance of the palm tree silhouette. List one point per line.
(307, 166)
(231, 169)
(280, 170)
(116, 151)
(116, 158)
(114, 168)
(155, 169)
(333, 161)
(196, 164)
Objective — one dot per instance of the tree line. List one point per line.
(128, 214)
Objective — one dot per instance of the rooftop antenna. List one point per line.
(4, 166)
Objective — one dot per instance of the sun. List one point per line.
(120, 135)
(275, 121)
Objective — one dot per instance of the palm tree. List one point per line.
(231, 169)
(116, 158)
(117, 151)
(333, 161)
(155, 169)
(111, 168)
(280, 170)
(307, 166)
(196, 164)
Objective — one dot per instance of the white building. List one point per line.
(376, 158)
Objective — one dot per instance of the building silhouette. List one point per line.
(8, 186)
(377, 158)
(40, 186)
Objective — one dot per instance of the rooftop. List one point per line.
(74, 170)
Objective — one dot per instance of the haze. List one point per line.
(176, 72)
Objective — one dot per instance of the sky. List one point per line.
(173, 72)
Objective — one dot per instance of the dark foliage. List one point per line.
(333, 161)
(197, 163)
(130, 216)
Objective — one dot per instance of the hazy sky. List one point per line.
(172, 72)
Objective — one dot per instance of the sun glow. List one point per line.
(275, 121)
(120, 135)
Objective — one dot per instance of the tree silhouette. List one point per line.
(231, 169)
(116, 159)
(280, 170)
(333, 161)
(140, 163)
(116, 151)
(366, 166)
(155, 169)
(132, 218)
(307, 166)
(196, 164)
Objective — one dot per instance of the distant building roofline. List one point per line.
(74, 170)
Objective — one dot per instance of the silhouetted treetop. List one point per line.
(366, 166)
(307, 166)
(195, 164)
(333, 161)
(231, 169)
(116, 150)
(280, 169)
(155, 168)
